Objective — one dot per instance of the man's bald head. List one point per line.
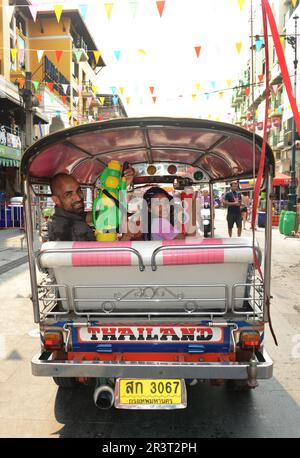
(67, 193)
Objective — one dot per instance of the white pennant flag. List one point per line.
(40, 53)
(65, 87)
(76, 99)
(9, 12)
(33, 10)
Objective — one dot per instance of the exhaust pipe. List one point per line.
(104, 397)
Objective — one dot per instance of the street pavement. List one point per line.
(36, 407)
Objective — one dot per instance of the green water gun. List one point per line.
(106, 207)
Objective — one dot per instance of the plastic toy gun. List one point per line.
(106, 207)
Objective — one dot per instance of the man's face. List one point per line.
(69, 195)
(234, 186)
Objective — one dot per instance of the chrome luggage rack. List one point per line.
(51, 297)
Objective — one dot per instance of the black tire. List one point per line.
(65, 382)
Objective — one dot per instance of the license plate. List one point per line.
(150, 394)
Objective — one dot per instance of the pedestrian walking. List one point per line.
(232, 200)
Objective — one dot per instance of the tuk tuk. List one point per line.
(141, 319)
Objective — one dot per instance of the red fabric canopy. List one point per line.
(281, 180)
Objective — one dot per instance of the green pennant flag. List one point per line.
(78, 55)
(36, 84)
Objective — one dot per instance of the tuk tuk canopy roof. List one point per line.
(223, 151)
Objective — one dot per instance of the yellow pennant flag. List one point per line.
(241, 4)
(127, 100)
(281, 40)
(58, 10)
(69, 114)
(102, 100)
(97, 56)
(142, 51)
(108, 7)
(238, 46)
(218, 118)
(13, 52)
(121, 90)
(228, 83)
(198, 86)
(294, 3)
(94, 89)
(221, 93)
(209, 116)
(194, 96)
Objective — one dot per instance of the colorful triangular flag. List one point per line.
(13, 53)
(194, 96)
(113, 90)
(198, 86)
(133, 8)
(221, 93)
(151, 89)
(50, 86)
(154, 99)
(228, 83)
(197, 49)
(58, 55)
(89, 100)
(294, 3)
(58, 10)
(115, 100)
(83, 10)
(33, 11)
(36, 84)
(260, 77)
(39, 53)
(108, 8)
(241, 4)
(258, 44)
(117, 55)
(121, 89)
(247, 91)
(160, 6)
(127, 100)
(78, 54)
(102, 100)
(97, 56)
(64, 98)
(238, 46)
(275, 88)
(65, 87)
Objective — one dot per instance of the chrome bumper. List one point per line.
(43, 365)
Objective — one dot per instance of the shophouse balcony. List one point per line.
(11, 142)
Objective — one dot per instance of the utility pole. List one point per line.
(28, 103)
(292, 197)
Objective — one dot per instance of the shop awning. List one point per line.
(5, 162)
(281, 180)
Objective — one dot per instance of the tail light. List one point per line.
(249, 340)
(53, 340)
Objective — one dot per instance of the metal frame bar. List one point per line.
(268, 245)
(194, 247)
(44, 365)
(31, 255)
(90, 250)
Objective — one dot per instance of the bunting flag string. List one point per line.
(58, 55)
(39, 53)
(58, 10)
(160, 6)
(238, 46)
(133, 8)
(197, 49)
(108, 9)
(33, 11)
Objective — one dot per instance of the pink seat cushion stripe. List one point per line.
(183, 257)
(110, 258)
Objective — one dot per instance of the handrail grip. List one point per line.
(193, 247)
(91, 250)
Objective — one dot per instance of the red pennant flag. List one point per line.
(50, 86)
(154, 99)
(58, 55)
(151, 89)
(197, 49)
(260, 77)
(64, 98)
(160, 7)
(247, 91)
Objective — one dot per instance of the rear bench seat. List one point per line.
(173, 286)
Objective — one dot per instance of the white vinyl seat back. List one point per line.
(107, 277)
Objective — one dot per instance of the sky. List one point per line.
(159, 52)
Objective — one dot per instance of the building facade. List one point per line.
(249, 107)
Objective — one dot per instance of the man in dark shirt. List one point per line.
(233, 201)
(70, 222)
